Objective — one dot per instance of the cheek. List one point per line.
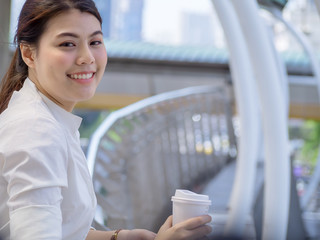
(101, 58)
(63, 60)
(57, 60)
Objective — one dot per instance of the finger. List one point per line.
(167, 224)
(196, 222)
(200, 232)
(149, 235)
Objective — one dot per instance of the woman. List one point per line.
(45, 187)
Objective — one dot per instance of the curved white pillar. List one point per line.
(274, 117)
(314, 62)
(247, 104)
(306, 45)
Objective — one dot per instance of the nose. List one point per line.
(85, 56)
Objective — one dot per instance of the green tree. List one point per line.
(311, 134)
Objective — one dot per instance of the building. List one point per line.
(122, 19)
(104, 7)
(201, 29)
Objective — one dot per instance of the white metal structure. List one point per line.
(314, 62)
(248, 108)
(274, 117)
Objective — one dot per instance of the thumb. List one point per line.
(167, 224)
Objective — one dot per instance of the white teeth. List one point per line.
(81, 76)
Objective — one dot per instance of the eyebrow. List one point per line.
(70, 34)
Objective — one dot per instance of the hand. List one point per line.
(136, 234)
(193, 228)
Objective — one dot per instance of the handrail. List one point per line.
(143, 152)
(114, 116)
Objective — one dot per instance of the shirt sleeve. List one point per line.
(36, 160)
(33, 222)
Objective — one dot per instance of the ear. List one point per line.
(28, 54)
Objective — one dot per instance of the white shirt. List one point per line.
(46, 190)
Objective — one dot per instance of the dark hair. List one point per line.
(33, 19)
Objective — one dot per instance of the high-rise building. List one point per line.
(304, 16)
(201, 29)
(122, 19)
(104, 7)
(127, 20)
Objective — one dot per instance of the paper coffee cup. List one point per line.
(187, 204)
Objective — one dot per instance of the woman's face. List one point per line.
(70, 58)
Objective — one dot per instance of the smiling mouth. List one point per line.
(83, 76)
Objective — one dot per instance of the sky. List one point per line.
(161, 18)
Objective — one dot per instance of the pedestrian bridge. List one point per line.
(185, 139)
(193, 138)
(144, 152)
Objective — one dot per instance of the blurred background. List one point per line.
(157, 46)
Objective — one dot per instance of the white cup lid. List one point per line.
(187, 195)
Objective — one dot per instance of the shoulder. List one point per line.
(23, 106)
(29, 125)
(33, 141)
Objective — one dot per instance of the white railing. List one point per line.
(140, 154)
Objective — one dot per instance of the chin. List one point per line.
(86, 93)
(85, 97)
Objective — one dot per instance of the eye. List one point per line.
(67, 44)
(95, 43)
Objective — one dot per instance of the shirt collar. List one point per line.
(69, 120)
